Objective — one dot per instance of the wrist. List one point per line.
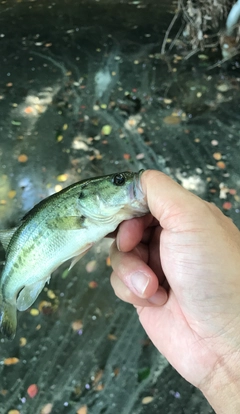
(222, 387)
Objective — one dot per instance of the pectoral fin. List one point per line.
(6, 235)
(66, 223)
(80, 254)
(29, 294)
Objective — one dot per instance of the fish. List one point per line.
(63, 226)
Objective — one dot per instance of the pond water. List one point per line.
(85, 90)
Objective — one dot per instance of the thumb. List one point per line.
(173, 206)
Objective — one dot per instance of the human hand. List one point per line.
(180, 267)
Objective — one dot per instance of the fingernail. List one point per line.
(139, 282)
(159, 298)
(117, 243)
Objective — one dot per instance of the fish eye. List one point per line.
(118, 179)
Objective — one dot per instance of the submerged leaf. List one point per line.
(106, 130)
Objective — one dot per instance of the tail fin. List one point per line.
(8, 319)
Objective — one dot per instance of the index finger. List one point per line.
(131, 232)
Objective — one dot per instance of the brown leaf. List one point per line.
(172, 120)
(11, 361)
(82, 410)
(22, 158)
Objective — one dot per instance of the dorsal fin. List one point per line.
(6, 235)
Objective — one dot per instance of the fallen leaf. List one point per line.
(13, 412)
(82, 410)
(106, 130)
(57, 188)
(172, 120)
(22, 341)
(77, 325)
(79, 145)
(28, 110)
(32, 390)
(108, 261)
(116, 371)
(51, 294)
(47, 409)
(227, 205)
(132, 122)
(99, 387)
(217, 156)
(203, 57)
(126, 156)
(62, 178)
(147, 400)
(221, 164)
(34, 312)
(93, 284)
(98, 377)
(43, 305)
(140, 156)
(11, 193)
(112, 337)
(91, 266)
(65, 273)
(22, 158)
(11, 361)
(223, 87)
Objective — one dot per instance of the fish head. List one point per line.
(113, 194)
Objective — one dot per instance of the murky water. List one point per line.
(84, 90)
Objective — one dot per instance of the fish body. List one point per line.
(61, 227)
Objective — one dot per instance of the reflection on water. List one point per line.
(7, 195)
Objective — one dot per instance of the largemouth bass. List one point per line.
(61, 227)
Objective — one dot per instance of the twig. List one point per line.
(169, 30)
(54, 62)
(190, 54)
(220, 62)
(176, 37)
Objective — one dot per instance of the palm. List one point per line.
(169, 330)
(171, 327)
